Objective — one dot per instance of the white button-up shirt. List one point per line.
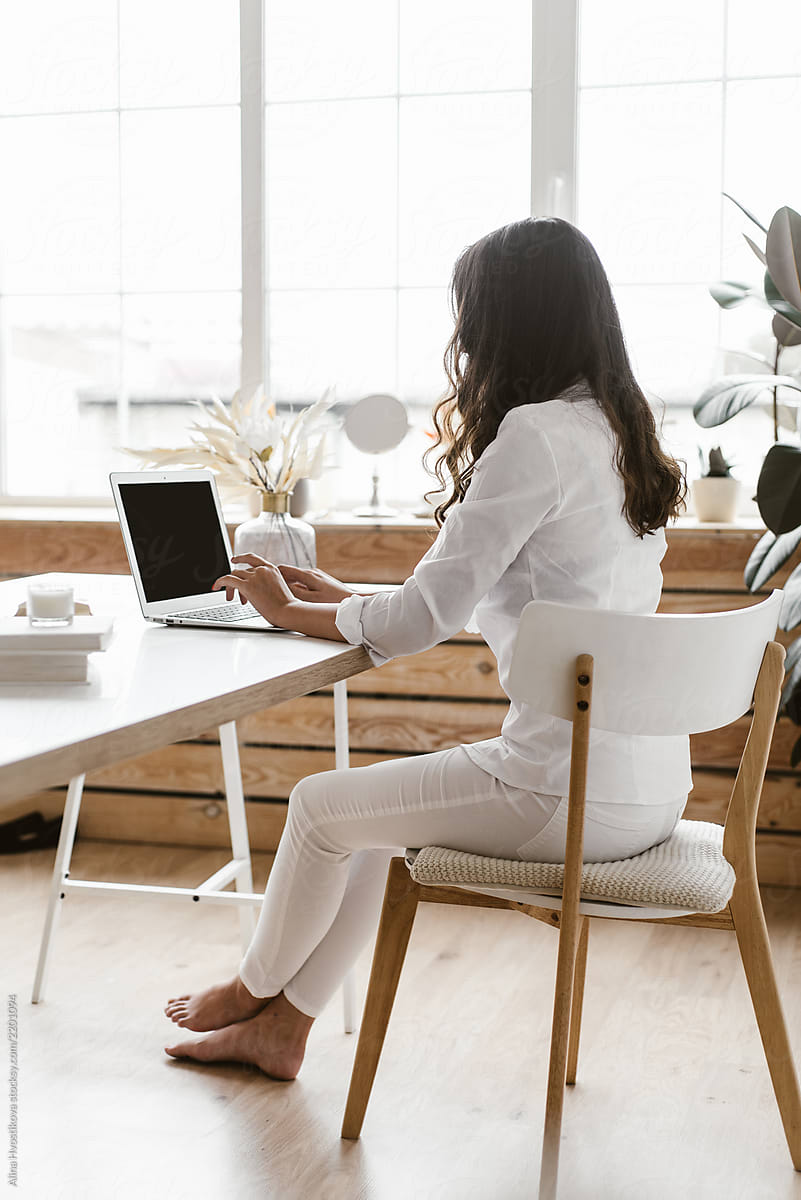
(541, 519)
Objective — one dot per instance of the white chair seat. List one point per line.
(686, 873)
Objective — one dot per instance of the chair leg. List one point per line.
(578, 1000)
(560, 1032)
(397, 918)
(752, 939)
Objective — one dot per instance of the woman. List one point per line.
(558, 490)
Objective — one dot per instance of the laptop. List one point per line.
(177, 544)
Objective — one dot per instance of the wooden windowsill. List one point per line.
(344, 520)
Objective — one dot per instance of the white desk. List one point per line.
(153, 686)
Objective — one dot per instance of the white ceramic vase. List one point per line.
(715, 498)
(276, 535)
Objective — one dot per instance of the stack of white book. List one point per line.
(50, 654)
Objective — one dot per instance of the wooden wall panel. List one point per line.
(724, 747)
(166, 819)
(448, 670)
(366, 553)
(699, 558)
(779, 809)
(267, 771)
(394, 724)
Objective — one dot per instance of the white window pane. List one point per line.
(331, 204)
(626, 41)
(179, 348)
(178, 52)
(425, 327)
(61, 378)
(671, 333)
(322, 338)
(761, 169)
(464, 170)
(57, 57)
(180, 186)
(650, 180)
(317, 49)
(464, 45)
(59, 204)
(764, 40)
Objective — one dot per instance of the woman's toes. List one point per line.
(179, 1050)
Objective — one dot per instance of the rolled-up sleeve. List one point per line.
(514, 487)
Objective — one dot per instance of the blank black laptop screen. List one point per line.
(176, 537)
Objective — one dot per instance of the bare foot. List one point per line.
(274, 1041)
(216, 1007)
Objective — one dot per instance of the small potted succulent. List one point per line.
(715, 493)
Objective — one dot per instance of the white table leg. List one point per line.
(342, 759)
(66, 839)
(237, 823)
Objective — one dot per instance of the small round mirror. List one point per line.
(375, 425)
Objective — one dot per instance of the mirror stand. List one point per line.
(375, 508)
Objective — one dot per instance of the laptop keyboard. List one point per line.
(228, 613)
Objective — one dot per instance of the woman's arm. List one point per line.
(514, 488)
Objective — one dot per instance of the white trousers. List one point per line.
(324, 893)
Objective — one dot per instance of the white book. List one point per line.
(85, 634)
(20, 666)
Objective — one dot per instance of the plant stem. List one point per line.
(776, 394)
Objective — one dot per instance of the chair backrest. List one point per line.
(657, 674)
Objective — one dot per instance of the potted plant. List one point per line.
(715, 493)
(254, 452)
(779, 487)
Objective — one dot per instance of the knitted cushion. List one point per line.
(687, 871)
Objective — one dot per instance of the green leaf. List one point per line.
(779, 489)
(266, 454)
(790, 615)
(759, 253)
(743, 209)
(783, 254)
(777, 302)
(729, 293)
(792, 666)
(785, 332)
(769, 554)
(724, 399)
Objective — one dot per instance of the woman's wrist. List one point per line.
(309, 617)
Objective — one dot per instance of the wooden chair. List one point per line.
(649, 675)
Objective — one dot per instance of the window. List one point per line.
(147, 260)
(678, 104)
(120, 251)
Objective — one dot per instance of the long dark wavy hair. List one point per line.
(534, 314)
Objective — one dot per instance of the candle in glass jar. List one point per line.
(50, 603)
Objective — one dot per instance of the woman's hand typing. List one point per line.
(263, 584)
(313, 585)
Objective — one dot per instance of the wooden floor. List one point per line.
(673, 1098)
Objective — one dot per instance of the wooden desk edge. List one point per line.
(56, 767)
